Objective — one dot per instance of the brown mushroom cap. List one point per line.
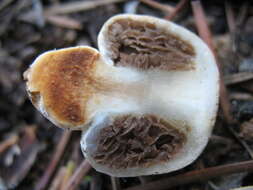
(64, 81)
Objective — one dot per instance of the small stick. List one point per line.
(242, 14)
(241, 96)
(58, 179)
(38, 13)
(64, 21)
(159, 6)
(142, 180)
(212, 185)
(145, 179)
(201, 23)
(238, 78)
(231, 22)
(196, 176)
(78, 175)
(244, 188)
(115, 183)
(230, 16)
(177, 9)
(8, 142)
(78, 6)
(4, 4)
(56, 157)
(205, 34)
(69, 171)
(241, 141)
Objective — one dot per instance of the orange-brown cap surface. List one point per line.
(64, 80)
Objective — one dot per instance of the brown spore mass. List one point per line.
(141, 141)
(145, 46)
(64, 79)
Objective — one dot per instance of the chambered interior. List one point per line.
(141, 141)
(143, 45)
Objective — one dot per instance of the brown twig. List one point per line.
(64, 21)
(56, 157)
(177, 9)
(56, 182)
(156, 5)
(201, 24)
(205, 34)
(66, 8)
(196, 176)
(78, 175)
(238, 78)
(8, 142)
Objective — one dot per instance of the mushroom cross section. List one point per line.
(146, 101)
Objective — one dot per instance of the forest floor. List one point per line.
(36, 155)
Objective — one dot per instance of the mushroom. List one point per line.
(146, 101)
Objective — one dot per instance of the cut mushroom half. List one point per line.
(146, 101)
